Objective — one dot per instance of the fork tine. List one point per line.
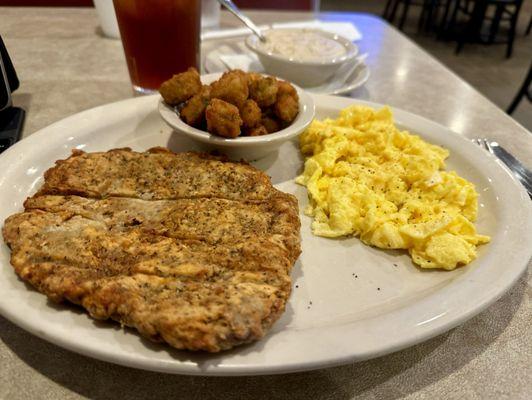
(478, 141)
(487, 144)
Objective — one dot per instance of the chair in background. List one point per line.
(303, 5)
(477, 16)
(449, 19)
(524, 91)
(505, 11)
(428, 15)
(392, 6)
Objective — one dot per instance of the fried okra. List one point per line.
(259, 130)
(223, 118)
(238, 103)
(232, 87)
(194, 110)
(243, 75)
(181, 87)
(263, 90)
(250, 113)
(286, 88)
(271, 124)
(252, 77)
(286, 108)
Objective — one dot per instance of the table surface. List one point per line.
(65, 66)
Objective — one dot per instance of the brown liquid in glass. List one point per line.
(160, 38)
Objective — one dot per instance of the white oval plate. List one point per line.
(336, 313)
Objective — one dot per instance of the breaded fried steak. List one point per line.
(189, 249)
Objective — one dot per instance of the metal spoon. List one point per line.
(237, 13)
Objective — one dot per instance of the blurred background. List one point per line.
(484, 66)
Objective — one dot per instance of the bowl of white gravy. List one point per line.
(307, 57)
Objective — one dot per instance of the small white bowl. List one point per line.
(303, 73)
(246, 147)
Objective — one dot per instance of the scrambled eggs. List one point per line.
(367, 178)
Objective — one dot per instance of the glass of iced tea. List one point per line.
(160, 38)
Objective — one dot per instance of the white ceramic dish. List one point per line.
(348, 320)
(343, 84)
(303, 73)
(246, 148)
(343, 81)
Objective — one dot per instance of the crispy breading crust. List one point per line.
(201, 269)
(223, 118)
(181, 87)
(156, 174)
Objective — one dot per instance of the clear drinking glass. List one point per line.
(160, 38)
(210, 14)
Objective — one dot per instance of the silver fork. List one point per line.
(523, 174)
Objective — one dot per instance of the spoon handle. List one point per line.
(242, 17)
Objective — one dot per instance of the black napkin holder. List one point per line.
(11, 118)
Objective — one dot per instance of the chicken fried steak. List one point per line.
(187, 248)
